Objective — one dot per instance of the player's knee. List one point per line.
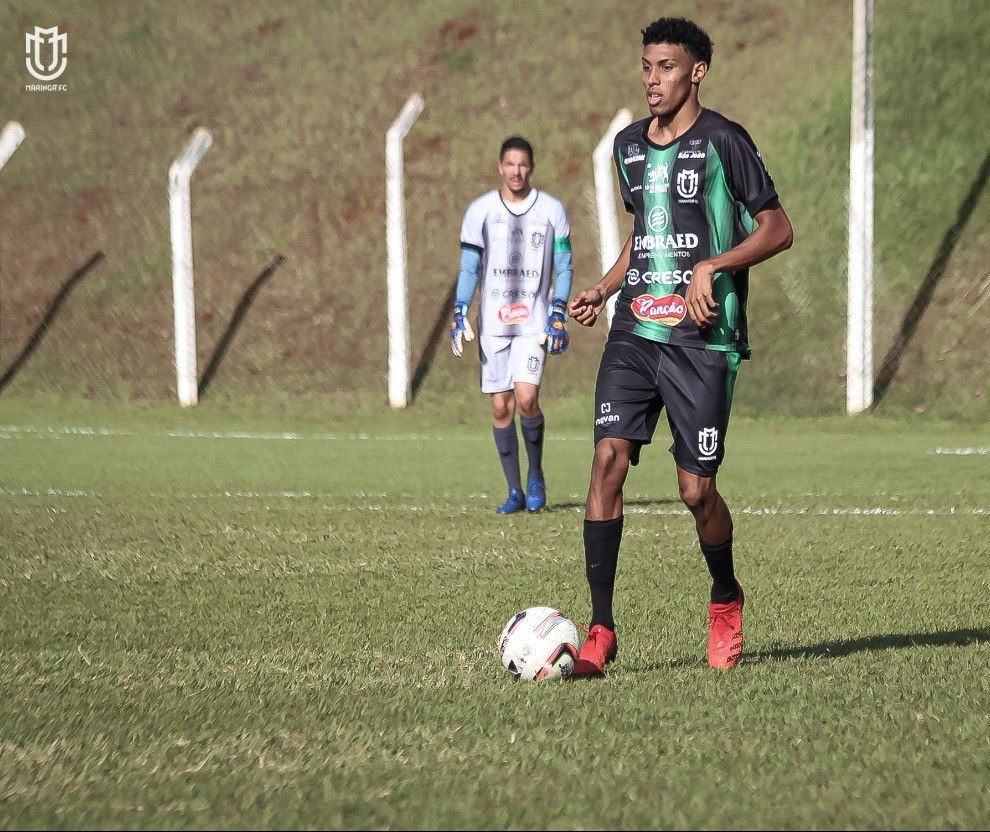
(503, 409)
(611, 459)
(529, 407)
(697, 493)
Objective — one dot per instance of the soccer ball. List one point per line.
(539, 643)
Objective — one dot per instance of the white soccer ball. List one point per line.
(539, 643)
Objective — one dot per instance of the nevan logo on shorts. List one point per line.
(43, 64)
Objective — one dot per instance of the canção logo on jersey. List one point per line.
(513, 313)
(668, 310)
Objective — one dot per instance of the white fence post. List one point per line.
(859, 333)
(183, 288)
(609, 244)
(399, 356)
(10, 140)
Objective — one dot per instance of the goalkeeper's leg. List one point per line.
(507, 444)
(532, 423)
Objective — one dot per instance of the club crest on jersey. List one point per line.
(536, 240)
(708, 441)
(513, 313)
(687, 183)
(668, 310)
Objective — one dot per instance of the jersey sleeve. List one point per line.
(561, 225)
(620, 170)
(472, 228)
(746, 175)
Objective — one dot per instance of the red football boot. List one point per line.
(597, 651)
(725, 633)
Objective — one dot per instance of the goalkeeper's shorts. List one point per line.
(506, 360)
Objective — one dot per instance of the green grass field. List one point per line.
(218, 620)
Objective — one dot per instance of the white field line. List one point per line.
(58, 432)
(961, 451)
(756, 511)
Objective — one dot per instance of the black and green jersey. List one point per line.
(692, 200)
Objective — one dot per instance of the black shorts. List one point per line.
(638, 378)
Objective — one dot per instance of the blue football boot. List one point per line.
(513, 504)
(536, 493)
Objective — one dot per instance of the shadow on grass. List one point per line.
(54, 305)
(433, 341)
(666, 501)
(836, 649)
(872, 644)
(243, 305)
(892, 360)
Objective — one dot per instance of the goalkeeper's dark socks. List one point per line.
(507, 443)
(532, 431)
(601, 556)
(718, 556)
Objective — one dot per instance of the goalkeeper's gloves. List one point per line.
(460, 329)
(554, 335)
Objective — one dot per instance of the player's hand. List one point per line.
(698, 299)
(586, 306)
(460, 329)
(554, 335)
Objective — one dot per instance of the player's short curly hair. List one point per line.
(680, 32)
(517, 143)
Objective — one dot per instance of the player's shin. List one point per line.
(718, 556)
(507, 443)
(601, 556)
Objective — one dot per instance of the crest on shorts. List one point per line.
(533, 364)
(708, 441)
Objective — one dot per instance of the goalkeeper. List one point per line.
(515, 244)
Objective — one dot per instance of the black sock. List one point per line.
(718, 556)
(532, 431)
(601, 555)
(507, 442)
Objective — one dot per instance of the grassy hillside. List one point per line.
(298, 98)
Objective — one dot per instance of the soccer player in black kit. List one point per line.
(705, 210)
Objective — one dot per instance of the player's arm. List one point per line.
(772, 235)
(588, 305)
(468, 276)
(555, 335)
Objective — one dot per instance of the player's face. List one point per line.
(515, 168)
(669, 75)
